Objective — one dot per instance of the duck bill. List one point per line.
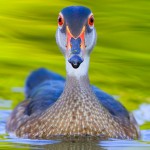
(75, 48)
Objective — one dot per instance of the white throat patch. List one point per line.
(81, 71)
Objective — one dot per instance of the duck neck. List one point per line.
(77, 79)
(77, 85)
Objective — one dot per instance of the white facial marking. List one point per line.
(90, 40)
(61, 40)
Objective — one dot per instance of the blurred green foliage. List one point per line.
(120, 62)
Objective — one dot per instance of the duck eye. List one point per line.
(60, 21)
(91, 21)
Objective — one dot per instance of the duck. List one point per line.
(55, 106)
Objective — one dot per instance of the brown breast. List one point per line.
(76, 113)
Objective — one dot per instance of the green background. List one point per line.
(120, 62)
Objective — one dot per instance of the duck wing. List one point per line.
(116, 109)
(112, 105)
(42, 88)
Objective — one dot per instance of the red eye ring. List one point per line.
(60, 20)
(91, 21)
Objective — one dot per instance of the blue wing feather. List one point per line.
(112, 105)
(42, 88)
(39, 76)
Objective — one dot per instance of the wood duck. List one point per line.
(70, 107)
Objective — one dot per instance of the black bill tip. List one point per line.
(75, 61)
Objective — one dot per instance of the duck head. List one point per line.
(76, 37)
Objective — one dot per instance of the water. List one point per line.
(12, 142)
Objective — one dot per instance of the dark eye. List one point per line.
(91, 21)
(60, 20)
